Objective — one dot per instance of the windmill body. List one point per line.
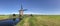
(21, 12)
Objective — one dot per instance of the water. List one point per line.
(9, 22)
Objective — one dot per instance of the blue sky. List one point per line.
(33, 6)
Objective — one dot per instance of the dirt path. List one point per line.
(26, 23)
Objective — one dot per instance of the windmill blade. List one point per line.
(25, 9)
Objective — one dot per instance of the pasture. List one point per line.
(40, 20)
(4, 17)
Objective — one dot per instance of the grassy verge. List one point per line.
(41, 20)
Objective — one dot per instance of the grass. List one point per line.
(37, 20)
(40, 20)
(3, 17)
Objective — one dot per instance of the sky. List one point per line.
(32, 6)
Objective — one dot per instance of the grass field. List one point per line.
(4, 17)
(40, 20)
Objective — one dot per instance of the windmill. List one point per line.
(21, 12)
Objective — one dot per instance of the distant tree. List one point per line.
(14, 17)
(31, 15)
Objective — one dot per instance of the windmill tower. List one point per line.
(21, 11)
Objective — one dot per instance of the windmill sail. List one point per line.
(21, 7)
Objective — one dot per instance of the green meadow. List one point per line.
(40, 20)
(4, 17)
